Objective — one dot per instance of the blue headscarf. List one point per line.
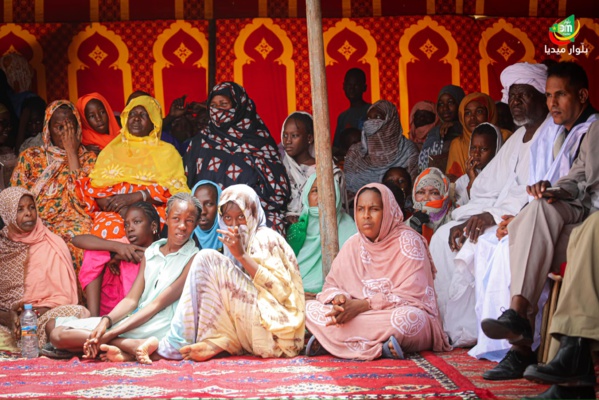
(208, 239)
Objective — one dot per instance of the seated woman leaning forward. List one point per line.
(111, 266)
(148, 308)
(249, 300)
(35, 268)
(135, 166)
(51, 173)
(379, 298)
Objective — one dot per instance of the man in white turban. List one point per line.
(539, 233)
(524, 73)
(501, 191)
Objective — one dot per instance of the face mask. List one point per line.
(220, 117)
(372, 126)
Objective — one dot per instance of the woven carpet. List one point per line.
(425, 375)
(473, 370)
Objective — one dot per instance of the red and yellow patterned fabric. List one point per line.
(124, 10)
(131, 164)
(416, 54)
(109, 225)
(45, 172)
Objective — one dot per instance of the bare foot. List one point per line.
(200, 351)
(145, 350)
(114, 354)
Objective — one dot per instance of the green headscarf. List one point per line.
(304, 237)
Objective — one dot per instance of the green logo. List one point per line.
(564, 31)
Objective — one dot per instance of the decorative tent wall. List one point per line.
(407, 58)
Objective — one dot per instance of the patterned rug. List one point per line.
(423, 375)
(473, 370)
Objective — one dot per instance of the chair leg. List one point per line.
(546, 337)
(544, 329)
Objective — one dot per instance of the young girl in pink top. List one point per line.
(111, 266)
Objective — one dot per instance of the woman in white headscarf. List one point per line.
(432, 204)
(297, 155)
(249, 300)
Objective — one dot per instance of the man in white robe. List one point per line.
(491, 259)
(499, 190)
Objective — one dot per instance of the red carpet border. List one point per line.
(423, 375)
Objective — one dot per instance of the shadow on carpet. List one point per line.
(423, 375)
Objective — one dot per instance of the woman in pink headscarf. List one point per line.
(423, 118)
(35, 268)
(379, 298)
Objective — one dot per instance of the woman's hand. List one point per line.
(345, 310)
(70, 141)
(120, 202)
(232, 239)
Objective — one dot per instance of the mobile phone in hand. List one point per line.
(557, 192)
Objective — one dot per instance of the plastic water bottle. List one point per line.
(29, 343)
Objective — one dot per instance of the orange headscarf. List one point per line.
(459, 150)
(89, 135)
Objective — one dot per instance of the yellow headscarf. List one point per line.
(459, 150)
(140, 160)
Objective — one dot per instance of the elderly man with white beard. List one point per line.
(499, 190)
(540, 230)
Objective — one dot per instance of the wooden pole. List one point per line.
(322, 137)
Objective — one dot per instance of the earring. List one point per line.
(154, 231)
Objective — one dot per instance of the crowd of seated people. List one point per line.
(100, 204)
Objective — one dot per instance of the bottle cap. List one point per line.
(28, 307)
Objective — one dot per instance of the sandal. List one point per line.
(314, 348)
(388, 353)
(52, 352)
